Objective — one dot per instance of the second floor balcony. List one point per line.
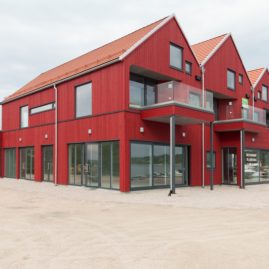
(149, 95)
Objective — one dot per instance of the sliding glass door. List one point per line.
(150, 165)
(47, 157)
(10, 163)
(94, 164)
(27, 163)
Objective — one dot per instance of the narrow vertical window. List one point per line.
(24, 111)
(176, 54)
(84, 100)
(264, 93)
(188, 68)
(230, 79)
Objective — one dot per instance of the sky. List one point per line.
(36, 35)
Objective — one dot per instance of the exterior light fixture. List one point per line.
(46, 136)
(253, 139)
(20, 139)
(230, 103)
(183, 134)
(141, 130)
(89, 131)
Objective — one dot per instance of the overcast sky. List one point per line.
(37, 35)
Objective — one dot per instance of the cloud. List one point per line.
(38, 35)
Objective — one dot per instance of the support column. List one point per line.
(242, 151)
(172, 154)
(211, 157)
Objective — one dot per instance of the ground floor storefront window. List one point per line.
(94, 164)
(10, 163)
(256, 167)
(150, 165)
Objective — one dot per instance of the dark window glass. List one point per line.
(142, 91)
(76, 161)
(47, 152)
(240, 78)
(10, 163)
(208, 160)
(141, 165)
(84, 100)
(161, 165)
(137, 92)
(176, 54)
(180, 165)
(188, 68)
(27, 163)
(91, 166)
(264, 93)
(106, 164)
(24, 116)
(231, 79)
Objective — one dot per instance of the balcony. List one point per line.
(159, 101)
(250, 118)
(168, 93)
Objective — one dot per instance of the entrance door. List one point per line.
(47, 157)
(229, 166)
(27, 163)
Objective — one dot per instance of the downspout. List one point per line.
(253, 101)
(56, 136)
(203, 128)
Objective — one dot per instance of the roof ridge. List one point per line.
(106, 44)
(210, 39)
(252, 70)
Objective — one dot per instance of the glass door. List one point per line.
(47, 157)
(27, 163)
(229, 166)
(91, 166)
(181, 165)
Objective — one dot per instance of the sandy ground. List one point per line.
(43, 226)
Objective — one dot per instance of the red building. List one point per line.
(144, 111)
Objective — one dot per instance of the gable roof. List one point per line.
(205, 49)
(256, 75)
(110, 53)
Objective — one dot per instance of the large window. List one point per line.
(256, 166)
(142, 91)
(84, 100)
(150, 165)
(264, 93)
(10, 163)
(230, 79)
(176, 56)
(94, 164)
(43, 108)
(24, 115)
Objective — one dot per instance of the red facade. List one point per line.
(113, 119)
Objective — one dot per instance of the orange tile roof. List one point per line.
(255, 74)
(94, 58)
(203, 49)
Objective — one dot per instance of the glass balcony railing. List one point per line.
(171, 92)
(254, 114)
